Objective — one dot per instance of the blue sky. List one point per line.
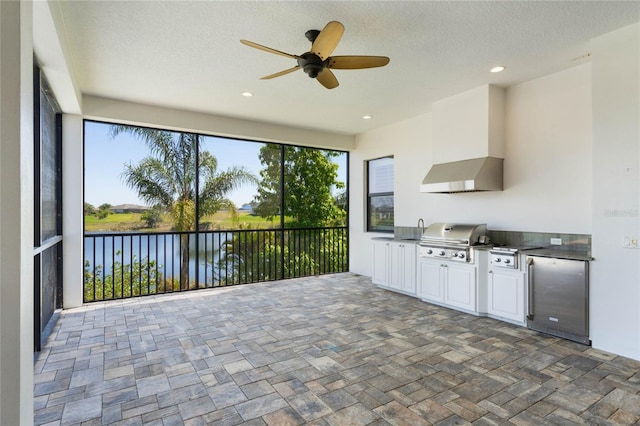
(105, 159)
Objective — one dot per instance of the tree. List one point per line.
(309, 177)
(167, 177)
(267, 202)
(89, 209)
(341, 202)
(152, 217)
(103, 210)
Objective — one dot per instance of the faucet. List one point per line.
(421, 226)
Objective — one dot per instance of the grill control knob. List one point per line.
(507, 261)
(498, 260)
(429, 251)
(455, 254)
(441, 253)
(461, 255)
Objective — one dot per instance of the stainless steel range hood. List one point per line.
(467, 142)
(477, 174)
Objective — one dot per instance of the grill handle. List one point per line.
(455, 243)
(530, 313)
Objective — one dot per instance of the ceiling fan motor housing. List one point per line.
(312, 64)
(311, 35)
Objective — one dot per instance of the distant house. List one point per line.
(246, 208)
(129, 208)
(384, 212)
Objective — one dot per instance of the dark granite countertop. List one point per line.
(560, 254)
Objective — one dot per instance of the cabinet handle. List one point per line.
(530, 314)
(491, 272)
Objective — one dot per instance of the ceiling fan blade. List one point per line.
(328, 39)
(357, 62)
(327, 79)
(278, 74)
(267, 49)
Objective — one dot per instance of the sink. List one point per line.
(407, 238)
(407, 234)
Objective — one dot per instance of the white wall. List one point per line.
(73, 211)
(547, 176)
(53, 55)
(482, 111)
(16, 214)
(407, 141)
(615, 275)
(131, 113)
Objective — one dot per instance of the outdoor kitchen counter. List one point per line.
(560, 254)
(396, 239)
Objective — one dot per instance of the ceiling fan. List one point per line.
(317, 63)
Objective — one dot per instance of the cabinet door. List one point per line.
(460, 286)
(396, 265)
(430, 286)
(403, 267)
(409, 267)
(506, 295)
(381, 262)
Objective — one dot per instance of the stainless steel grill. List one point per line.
(452, 241)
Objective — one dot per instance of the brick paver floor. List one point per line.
(329, 350)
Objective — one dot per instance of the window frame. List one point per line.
(373, 195)
(283, 259)
(47, 243)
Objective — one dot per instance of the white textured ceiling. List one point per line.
(187, 55)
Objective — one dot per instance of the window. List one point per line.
(171, 211)
(380, 195)
(47, 213)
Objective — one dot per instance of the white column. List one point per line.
(72, 214)
(16, 213)
(615, 273)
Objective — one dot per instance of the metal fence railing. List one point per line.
(122, 265)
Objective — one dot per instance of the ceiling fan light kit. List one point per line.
(317, 63)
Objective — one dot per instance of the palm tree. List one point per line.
(168, 178)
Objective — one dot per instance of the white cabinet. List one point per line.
(460, 286)
(447, 283)
(430, 280)
(506, 295)
(394, 265)
(381, 263)
(403, 267)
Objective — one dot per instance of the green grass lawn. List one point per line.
(113, 222)
(123, 222)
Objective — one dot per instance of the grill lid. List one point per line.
(451, 234)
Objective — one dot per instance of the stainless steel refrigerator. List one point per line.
(559, 297)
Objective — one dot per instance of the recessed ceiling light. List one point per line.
(499, 68)
(367, 117)
(247, 94)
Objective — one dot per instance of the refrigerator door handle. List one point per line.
(530, 313)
